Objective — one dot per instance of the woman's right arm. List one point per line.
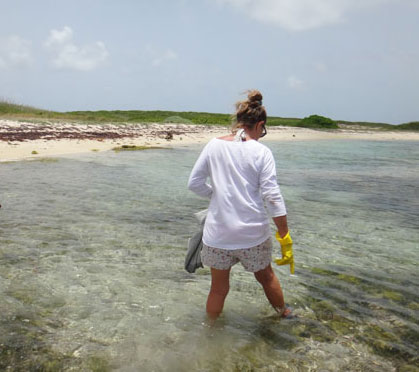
(271, 193)
(281, 225)
(199, 175)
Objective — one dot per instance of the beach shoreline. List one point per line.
(25, 140)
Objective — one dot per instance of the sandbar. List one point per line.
(21, 140)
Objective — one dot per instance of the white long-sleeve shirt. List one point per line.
(242, 176)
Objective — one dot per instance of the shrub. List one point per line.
(414, 126)
(317, 121)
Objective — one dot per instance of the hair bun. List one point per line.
(250, 111)
(254, 96)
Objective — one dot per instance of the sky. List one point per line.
(354, 60)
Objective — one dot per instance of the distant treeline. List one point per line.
(16, 111)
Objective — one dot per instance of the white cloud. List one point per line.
(15, 52)
(299, 15)
(57, 37)
(296, 83)
(67, 55)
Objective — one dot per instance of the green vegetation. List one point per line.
(334, 321)
(288, 122)
(413, 305)
(24, 345)
(317, 121)
(392, 295)
(13, 108)
(14, 111)
(150, 117)
(412, 126)
(377, 292)
(21, 112)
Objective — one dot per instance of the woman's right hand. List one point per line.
(286, 250)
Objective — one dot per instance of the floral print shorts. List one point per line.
(253, 259)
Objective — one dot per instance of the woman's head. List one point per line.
(250, 111)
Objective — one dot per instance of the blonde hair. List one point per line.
(249, 112)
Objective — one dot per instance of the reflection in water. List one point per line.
(91, 265)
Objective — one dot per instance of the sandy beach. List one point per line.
(25, 140)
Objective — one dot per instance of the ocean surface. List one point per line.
(91, 265)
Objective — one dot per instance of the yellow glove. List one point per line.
(286, 249)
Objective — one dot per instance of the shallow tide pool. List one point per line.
(91, 265)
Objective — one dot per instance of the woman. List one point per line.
(243, 176)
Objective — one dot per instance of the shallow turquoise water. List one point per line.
(91, 265)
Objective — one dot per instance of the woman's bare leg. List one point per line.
(272, 288)
(220, 284)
